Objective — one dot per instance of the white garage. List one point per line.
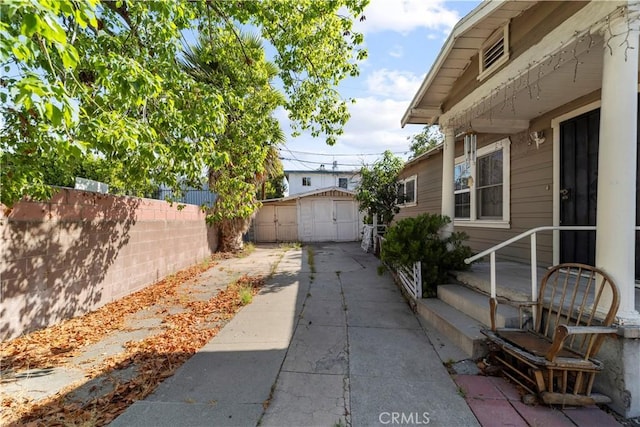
(325, 215)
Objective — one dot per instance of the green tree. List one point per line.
(251, 133)
(87, 78)
(425, 140)
(378, 189)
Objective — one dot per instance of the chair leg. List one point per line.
(539, 377)
(493, 308)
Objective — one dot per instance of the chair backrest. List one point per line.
(576, 295)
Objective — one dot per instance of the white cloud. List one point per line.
(395, 84)
(375, 125)
(397, 51)
(406, 15)
(373, 128)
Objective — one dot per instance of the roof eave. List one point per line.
(481, 11)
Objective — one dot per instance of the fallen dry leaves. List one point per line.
(154, 358)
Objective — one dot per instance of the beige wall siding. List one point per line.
(531, 202)
(281, 203)
(429, 192)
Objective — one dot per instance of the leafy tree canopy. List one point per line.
(105, 80)
(425, 140)
(378, 190)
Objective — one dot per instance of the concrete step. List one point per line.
(461, 329)
(476, 305)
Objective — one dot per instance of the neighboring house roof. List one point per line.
(423, 156)
(319, 191)
(466, 38)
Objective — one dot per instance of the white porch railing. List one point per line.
(534, 253)
(411, 278)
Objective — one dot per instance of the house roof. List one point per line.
(465, 40)
(319, 191)
(560, 66)
(424, 156)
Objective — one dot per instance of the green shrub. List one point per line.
(419, 239)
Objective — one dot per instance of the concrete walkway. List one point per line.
(328, 342)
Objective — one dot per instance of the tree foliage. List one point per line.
(235, 62)
(420, 239)
(104, 80)
(378, 190)
(425, 140)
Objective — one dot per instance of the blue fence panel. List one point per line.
(190, 196)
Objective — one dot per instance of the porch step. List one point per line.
(476, 305)
(461, 329)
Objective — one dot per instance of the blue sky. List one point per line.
(403, 38)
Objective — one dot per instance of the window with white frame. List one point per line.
(343, 183)
(462, 191)
(306, 181)
(481, 187)
(408, 191)
(494, 52)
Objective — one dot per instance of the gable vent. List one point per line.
(493, 53)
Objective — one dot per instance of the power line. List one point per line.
(296, 159)
(342, 154)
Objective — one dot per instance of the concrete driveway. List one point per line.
(328, 342)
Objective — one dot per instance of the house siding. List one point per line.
(319, 180)
(429, 187)
(531, 201)
(531, 196)
(525, 31)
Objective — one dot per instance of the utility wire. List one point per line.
(296, 159)
(342, 154)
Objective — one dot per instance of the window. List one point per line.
(343, 183)
(407, 191)
(494, 52)
(489, 170)
(462, 173)
(481, 188)
(306, 181)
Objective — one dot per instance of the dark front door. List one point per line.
(579, 141)
(578, 186)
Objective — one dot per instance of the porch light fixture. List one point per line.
(470, 146)
(537, 137)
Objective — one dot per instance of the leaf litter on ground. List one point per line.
(155, 357)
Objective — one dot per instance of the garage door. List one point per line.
(323, 220)
(265, 224)
(286, 223)
(346, 221)
(276, 224)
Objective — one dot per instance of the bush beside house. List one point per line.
(420, 239)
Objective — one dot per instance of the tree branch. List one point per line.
(233, 30)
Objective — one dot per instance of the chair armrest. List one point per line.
(577, 330)
(525, 303)
(563, 331)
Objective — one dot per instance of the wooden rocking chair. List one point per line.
(554, 359)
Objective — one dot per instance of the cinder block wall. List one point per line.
(81, 250)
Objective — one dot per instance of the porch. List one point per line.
(462, 309)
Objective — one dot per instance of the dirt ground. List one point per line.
(88, 370)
